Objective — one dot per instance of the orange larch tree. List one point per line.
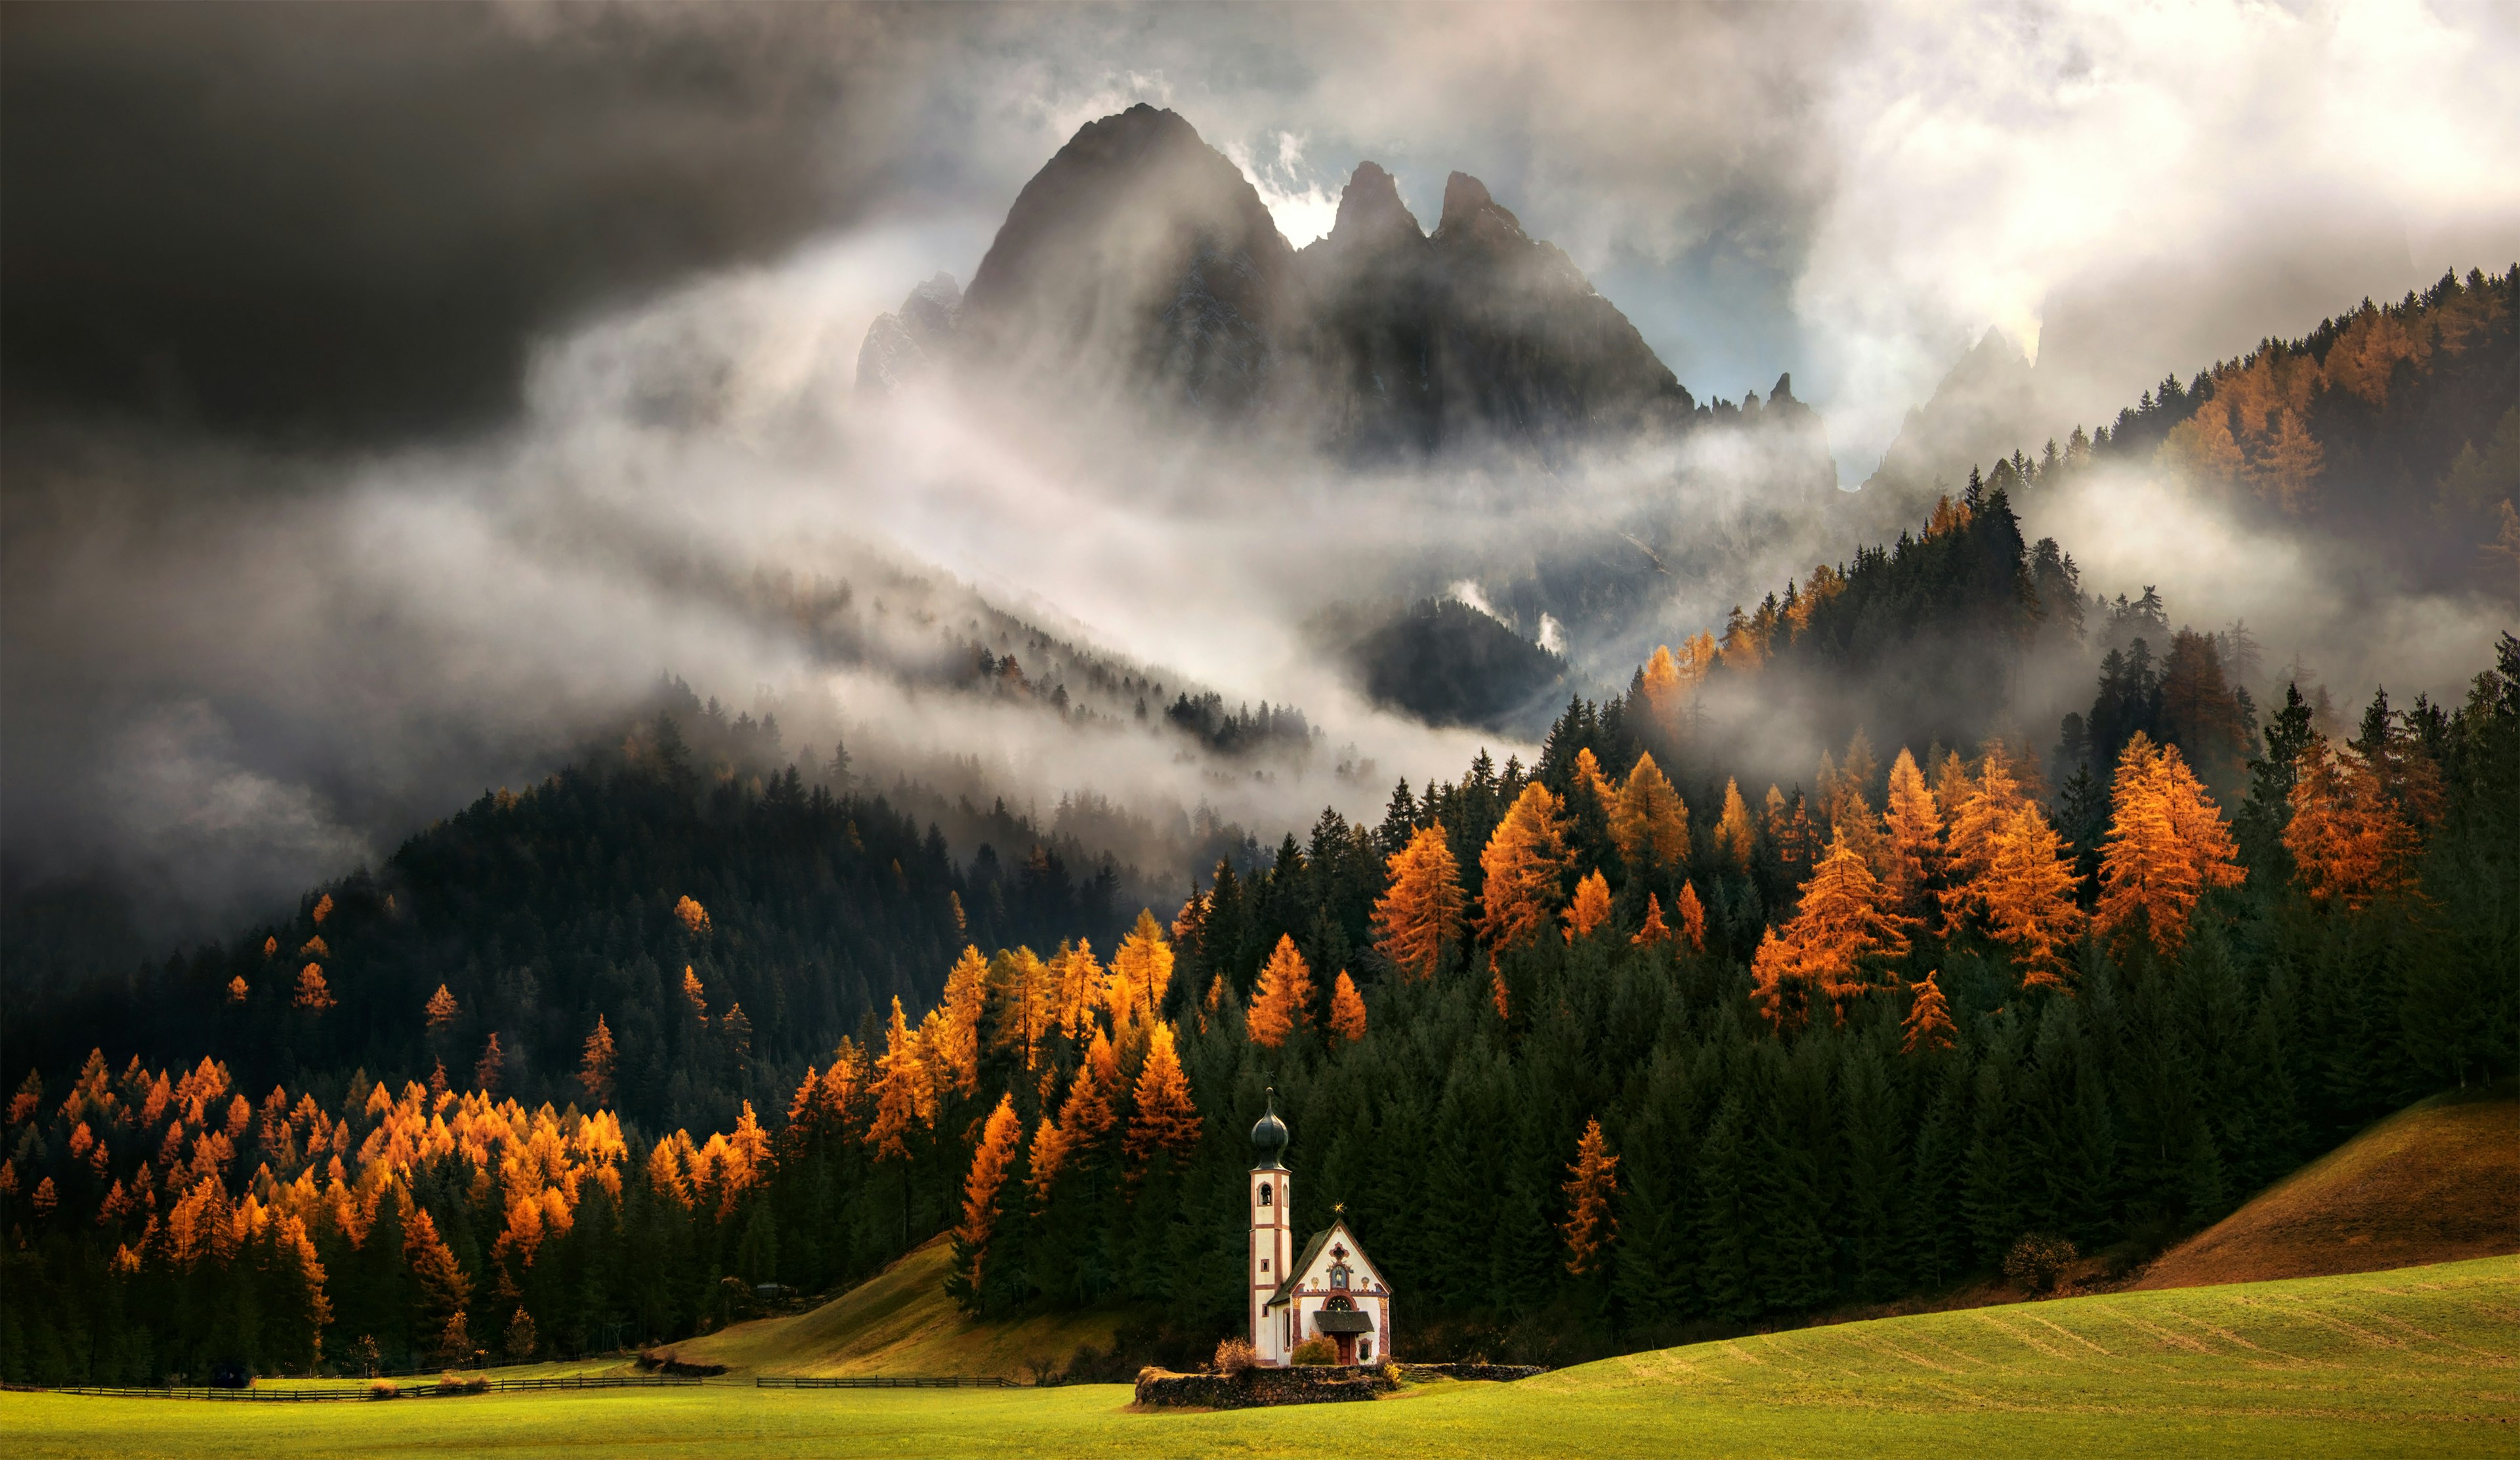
(1735, 838)
(1929, 1019)
(1844, 926)
(2167, 844)
(1418, 919)
(1653, 932)
(1281, 1003)
(2027, 896)
(1165, 1118)
(1521, 867)
(693, 916)
(901, 1090)
(952, 1043)
(1021, 1003)
(1978, 818)
(1141, 973)
(1692, 917)
(595, 1065)
(1590, 1182)
(1649, 820)
(1077, 988)
(313, 994)
(1911, 853)
(1347, 1009)
(991, 1160)
(1591, 908)
(2351, 844)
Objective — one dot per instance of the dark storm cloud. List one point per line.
(334, 223)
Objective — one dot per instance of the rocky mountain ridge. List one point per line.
(1139, 265)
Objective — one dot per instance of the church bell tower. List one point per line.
(1273, 1239)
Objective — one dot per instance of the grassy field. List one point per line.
(2436, 1182)
(899, 1322)
(2417, 1361)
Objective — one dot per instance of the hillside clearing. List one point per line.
(899, 1322)
(2417, 1361)
(2436, 1182)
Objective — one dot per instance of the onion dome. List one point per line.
(1269, 1136)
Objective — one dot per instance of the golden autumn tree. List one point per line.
(693, 916)
(1692, 916)
(2026, 895)
(952, 1042)
(1587, 779)
(1978, 818)
(2166, 846)
(237, 993)
(1021, 1004)
(1653, 932)
(442, 1010)
(2351, 845)
(1165, 1118)
(1911, 852)
(1590, 1183)
(1928, 1026)
(1648, 821)
(901, 1090)
(489, 1068)
(440, 1287)
(1281, 1003)
(1591, 908)
(1845, 925)
(1521, 866)
(313, 994)
(1141, 973)
(1734, 837)
(1076, 987)
(1418, 919)
(991, 1159)
(1347, 1009)
(696, 995)
(1086, 1115)
(595, 1065)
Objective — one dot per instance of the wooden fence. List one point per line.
(875, 1381)
(349, 1391)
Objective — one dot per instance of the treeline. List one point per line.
(495, 938)
(1635, 1067)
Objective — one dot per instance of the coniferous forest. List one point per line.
(1950, 909)
(1602, 1051)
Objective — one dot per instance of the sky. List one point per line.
(365, 371)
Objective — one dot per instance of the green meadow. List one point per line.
(2414, 1361)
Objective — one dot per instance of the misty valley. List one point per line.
(835, 837)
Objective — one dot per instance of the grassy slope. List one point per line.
(898, 1322)
(2436, 1182)
(2420, 1361)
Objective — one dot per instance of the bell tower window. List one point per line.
(1268, 1195)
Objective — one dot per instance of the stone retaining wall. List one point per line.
(1253, 1389)
(1501, 1373)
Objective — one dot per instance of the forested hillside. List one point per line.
(730, 915)
(1592, 1052)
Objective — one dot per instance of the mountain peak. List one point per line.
(1471, 214)
(1370, 211)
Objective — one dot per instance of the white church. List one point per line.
(1328, 1290)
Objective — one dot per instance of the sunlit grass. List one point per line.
(2417, 1361)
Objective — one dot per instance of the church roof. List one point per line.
(1302, 1266)
(1304, 1263)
